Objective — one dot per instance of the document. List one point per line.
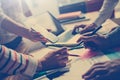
(66, 39)
(80, 66)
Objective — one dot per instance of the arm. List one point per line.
(13, 27)
(106, 11)
(104, 14)
(108, 70)
(103, 42)
(14, 63)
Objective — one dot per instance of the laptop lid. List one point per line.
(57, 24)
(48, 21)
(45, 21)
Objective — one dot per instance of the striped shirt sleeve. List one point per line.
(12, 62)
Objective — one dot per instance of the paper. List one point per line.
(65, 39)
(80, 66)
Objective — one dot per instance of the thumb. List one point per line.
(87, 38)
(61, 51)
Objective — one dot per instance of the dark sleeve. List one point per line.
(114, 37)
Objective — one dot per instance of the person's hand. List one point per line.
(109, 70)
(36, 36)
(84, 28)
(55, 59)
(98, 41)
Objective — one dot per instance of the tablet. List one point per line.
(44, 32)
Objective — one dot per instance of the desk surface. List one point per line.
(80, 66)
(92, 16)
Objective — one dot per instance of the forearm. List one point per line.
(106, 11)
(12, 26)
(14, 63)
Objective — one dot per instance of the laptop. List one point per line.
(57, 24)
(46, 20)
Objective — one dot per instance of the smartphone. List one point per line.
(45, 33)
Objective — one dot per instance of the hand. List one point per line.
(36, 36)
(109, 70)
(84, 28)
(98, 41)
(55, 59)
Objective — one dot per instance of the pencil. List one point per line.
(76, 47)
(75, 55)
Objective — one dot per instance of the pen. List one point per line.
(78, 45)
(93, 32)
(74, 55)
(44, 74)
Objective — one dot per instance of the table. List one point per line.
(80, 65)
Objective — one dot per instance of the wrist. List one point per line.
(39, 67)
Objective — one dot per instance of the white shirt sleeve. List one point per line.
(2, 16)
(106, 11)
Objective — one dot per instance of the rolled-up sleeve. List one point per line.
(106, 11)
(12, 62)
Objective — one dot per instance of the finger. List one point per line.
(87, 34)
(39, 37)
(86, 29)
(100, 63)
(60, 57)
(77, 29)
(97, 72)
(92, 38)
(83, 38)
(80, 39)
(80, 26)
(87, 38)
(43, 40)
(97, 65)
(63, 62)
(60, 51)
